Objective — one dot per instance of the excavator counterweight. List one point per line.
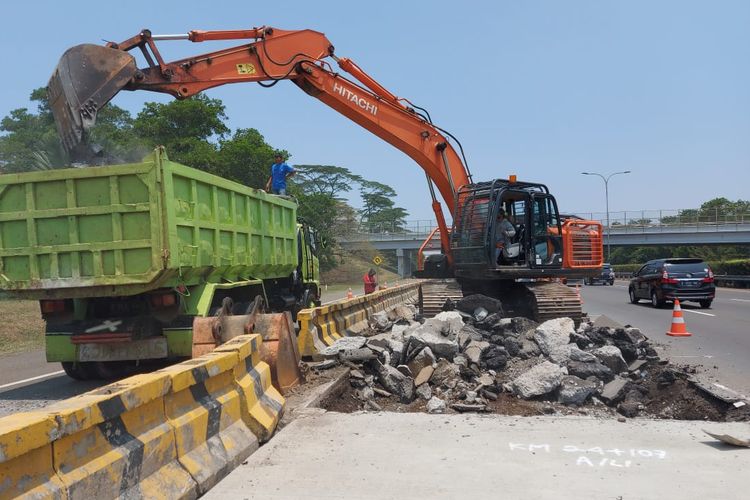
(86, 78)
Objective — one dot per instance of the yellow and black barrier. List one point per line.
(321, 326)
(172, 433)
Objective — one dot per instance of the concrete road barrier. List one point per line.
(321, 326)
(171, 433)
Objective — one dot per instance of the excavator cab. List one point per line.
(507, 230)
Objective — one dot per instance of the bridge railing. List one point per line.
(627, 221)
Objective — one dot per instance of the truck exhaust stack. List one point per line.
(86, 78)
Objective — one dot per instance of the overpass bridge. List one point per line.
(633, 228)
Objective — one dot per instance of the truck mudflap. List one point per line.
(279, 347)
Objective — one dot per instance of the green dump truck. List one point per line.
(123, 258)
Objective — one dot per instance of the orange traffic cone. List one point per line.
(578, 293)
(678, 329)
(349, 294)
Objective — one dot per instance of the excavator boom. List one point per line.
(89, 76)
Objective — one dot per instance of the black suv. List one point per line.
(664, 280)
(607, 277)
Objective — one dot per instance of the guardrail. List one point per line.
(172, 433)
(322, 326)
(624, 221)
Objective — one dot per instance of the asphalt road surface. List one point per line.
(720, 343)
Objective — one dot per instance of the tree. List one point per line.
(187, 128)
(30, 140)
(246, 158)
(378, 210)
(328, 180)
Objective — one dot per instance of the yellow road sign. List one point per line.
(377, 260)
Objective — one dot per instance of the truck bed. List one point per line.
(126, 229)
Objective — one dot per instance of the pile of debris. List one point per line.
(465, 360)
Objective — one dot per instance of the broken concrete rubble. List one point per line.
(553, 334)
(575, 391)
(541, 379)
(611, 357)
(435, 405)
(396, 382)
(458, 362)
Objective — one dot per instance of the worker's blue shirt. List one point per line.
(279, 172)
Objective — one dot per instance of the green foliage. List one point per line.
(246, 158)
(715, 210)
(378, 210)
(30, 141)
(639, 255)
(328, 180)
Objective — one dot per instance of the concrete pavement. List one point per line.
(721, 335)
(415, 455)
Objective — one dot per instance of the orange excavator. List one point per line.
(507, 237)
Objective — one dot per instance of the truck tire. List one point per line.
(78, 371)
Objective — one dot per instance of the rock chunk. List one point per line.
(470, 303)
(424, 391)
(611, 357)
(614, 391)
(380, 321)
(343, 344)
(422, 359)
(586, 370)
(574, 391)
(554, 333)
(475, 349)
(435, 405)
(541, 379)
(396, 382)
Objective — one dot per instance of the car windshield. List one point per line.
(605, 267)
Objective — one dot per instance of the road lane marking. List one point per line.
(38, 377)
(621, 286)
(741, 300)
(699, 312)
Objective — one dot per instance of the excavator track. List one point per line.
(433, 294)
(538, 301)
(554, 300)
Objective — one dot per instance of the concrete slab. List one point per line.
(415, 455)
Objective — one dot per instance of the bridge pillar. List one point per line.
(403, 257)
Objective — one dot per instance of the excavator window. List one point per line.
(546, 230)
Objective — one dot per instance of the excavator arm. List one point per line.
(89, 76)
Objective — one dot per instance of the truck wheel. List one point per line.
(108, 370)
(78, 371)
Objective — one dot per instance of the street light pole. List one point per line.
(606, 197)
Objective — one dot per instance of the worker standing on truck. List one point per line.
(371, 284)
(504, 231)
(280, 172)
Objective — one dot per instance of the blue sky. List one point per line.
(543, 89)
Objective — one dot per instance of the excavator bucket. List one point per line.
(86, 78)
(279, 347)
(280, 350)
